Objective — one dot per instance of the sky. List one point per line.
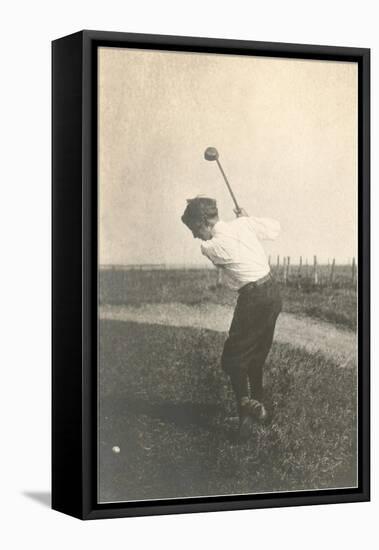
(286, 132)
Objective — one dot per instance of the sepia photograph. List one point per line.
(227, 274)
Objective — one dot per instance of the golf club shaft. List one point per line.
(228, 185)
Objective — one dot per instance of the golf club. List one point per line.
(211, 154)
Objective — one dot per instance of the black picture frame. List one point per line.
(74, 273)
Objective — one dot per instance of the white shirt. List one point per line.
(236, 248)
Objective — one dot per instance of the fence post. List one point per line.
(300, 265)
(331, 279)
(284, 271)
(315, 273)
(219, 276)
(306, 268)
(353, 270)
(288, 267)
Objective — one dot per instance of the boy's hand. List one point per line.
(241, 213)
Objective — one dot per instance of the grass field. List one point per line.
(166, 403)
(337, 303)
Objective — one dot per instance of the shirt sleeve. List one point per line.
(265, 228)
(215, 252)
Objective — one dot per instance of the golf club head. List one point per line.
(211, 153)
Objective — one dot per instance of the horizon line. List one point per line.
(169, 265)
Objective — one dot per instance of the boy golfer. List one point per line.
(235, 247)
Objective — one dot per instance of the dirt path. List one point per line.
(301, 332)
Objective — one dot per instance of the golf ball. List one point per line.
(116, 449)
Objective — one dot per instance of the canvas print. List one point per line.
(227, 274)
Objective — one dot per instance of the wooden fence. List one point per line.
(305, 272)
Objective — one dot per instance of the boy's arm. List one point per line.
(265, 228)
(216, 253)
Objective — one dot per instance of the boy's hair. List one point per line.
(198, 209)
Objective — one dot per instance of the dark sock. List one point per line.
(240, 387)
(256, 383)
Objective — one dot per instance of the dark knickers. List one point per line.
(250, 337)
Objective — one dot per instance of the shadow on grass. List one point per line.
(182, 416)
